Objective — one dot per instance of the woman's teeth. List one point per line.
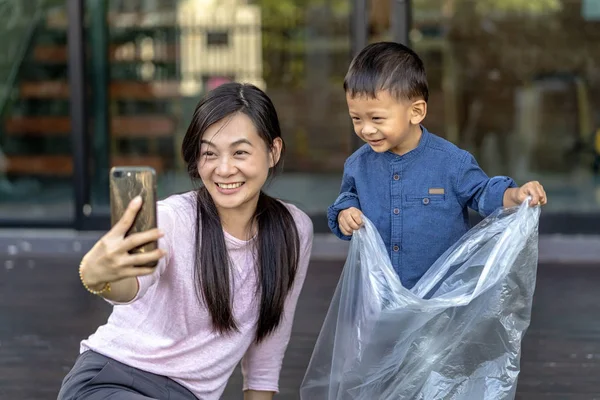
(230, 185)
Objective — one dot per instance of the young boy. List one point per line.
(413, 185)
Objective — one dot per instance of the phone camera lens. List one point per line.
(118, 174)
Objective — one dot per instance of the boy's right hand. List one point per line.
(350, 220)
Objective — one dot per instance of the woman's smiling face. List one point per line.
(234, 161)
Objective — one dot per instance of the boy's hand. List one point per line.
(350, 220)
(517, 196)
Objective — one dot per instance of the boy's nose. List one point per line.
(368, 129)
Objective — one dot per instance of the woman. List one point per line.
(232, 262)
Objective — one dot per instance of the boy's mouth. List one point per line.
(376, 142)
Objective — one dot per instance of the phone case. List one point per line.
(127, 183)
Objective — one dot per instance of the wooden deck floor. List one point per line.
(44, 313)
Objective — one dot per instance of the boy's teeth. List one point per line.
(230, 185)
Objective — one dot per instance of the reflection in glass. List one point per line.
(516, 82)
(165, 55)
(35, 162)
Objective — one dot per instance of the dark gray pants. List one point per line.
(96, 377)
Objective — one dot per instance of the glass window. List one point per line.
(517, 84)
(306, 53)
(165, 55)
(35, 145)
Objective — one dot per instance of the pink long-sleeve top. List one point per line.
(164, 330)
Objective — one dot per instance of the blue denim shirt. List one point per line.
(418, 201)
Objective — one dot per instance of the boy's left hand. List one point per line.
(531, 189)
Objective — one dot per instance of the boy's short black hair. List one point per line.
(387, 66)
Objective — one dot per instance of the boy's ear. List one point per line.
(418, 111)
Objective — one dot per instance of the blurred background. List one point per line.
(516, 82)
(88, 84)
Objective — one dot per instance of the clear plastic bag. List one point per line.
(455, 335)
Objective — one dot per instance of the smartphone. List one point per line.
(125, 184)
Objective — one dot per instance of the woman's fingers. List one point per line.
(142, 259)
(140, 238)
(124, 224)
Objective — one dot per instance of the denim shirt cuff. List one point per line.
(344, 201)
(493, 197)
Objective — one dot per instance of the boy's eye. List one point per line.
(355, 119)
(377, 119)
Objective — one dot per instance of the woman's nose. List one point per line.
(225, 168)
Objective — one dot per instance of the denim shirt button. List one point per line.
(396, 177)
(426, 200)
(396, 248)
(396, 211)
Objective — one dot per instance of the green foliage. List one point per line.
(284, 25)
(518, 6)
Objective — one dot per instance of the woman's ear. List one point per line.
(275, 152)
(418, 111)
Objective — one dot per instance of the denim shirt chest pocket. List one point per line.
(427, 207)
(426, 197)
(426, 219)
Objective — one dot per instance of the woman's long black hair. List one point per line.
(277, 241)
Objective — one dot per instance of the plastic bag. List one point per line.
(455, 335)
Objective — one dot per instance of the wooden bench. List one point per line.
(138, 126)
(148, 126)
(52, 54)
(118, 90)
(62, 166)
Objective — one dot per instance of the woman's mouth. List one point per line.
(229, 188)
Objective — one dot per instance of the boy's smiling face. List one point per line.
(386, 123)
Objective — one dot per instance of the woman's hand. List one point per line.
(109, 260)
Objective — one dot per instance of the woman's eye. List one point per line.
(241, 153)
(208, 153)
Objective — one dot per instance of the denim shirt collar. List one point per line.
(393, 157)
